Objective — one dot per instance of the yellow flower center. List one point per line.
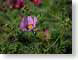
(30, 26)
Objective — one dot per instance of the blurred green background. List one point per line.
(55, 15)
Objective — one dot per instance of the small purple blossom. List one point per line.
(37, 2)
(28, 23)
(15, 3)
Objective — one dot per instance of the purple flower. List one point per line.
(28, 23)
(15, 3)
(37, 2)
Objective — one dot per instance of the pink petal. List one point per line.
(30, 20)
(23, 24)
(35, 21)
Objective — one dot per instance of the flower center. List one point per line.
(30, 26)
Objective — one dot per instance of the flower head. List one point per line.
(47, 34)
(44, 35)
(28, 23)
(37, 2)
(15, 3)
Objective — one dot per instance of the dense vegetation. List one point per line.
(54, 15)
